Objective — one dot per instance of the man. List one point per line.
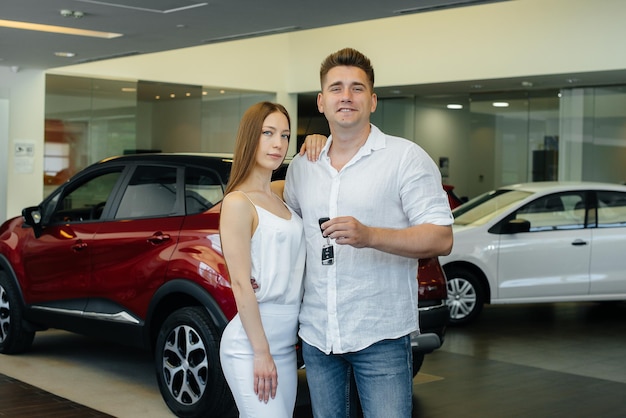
(387, 208)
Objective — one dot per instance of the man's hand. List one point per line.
(312, 146)
(346, 230)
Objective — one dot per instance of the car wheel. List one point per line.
(188, 366)
(14, 335)
(465, 296)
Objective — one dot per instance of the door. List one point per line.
(552, 259)
(58, 263)
(132, 249)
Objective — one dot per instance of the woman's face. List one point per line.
(274, 141)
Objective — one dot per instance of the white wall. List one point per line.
(4, 151)
(25, 91)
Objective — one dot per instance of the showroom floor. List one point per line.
(552, 360)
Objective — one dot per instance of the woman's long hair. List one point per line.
(247, 142)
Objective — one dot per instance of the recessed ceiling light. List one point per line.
(500, 104)
(65, 54)
(57, 29)
(455, 106)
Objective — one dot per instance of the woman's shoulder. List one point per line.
(238, 201)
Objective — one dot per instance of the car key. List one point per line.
(328, 253)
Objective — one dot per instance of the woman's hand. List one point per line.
(265, 376)
(312, 146)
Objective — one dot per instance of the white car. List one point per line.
(537, 242)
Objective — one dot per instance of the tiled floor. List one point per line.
(553, 360)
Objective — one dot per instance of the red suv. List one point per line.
(128, 250)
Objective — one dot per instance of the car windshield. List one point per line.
(485, 207)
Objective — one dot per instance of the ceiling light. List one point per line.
(65, 54)
(57, 29)
(500, 104)
(129, 89)
(455, 106)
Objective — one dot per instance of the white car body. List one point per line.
(565, 257)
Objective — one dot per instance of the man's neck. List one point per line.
(345, 145)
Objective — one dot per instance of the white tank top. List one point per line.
(278, 257)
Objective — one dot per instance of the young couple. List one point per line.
(354, 301)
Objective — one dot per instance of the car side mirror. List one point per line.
(515, 226)
(32, 218)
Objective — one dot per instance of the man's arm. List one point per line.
(419, 241)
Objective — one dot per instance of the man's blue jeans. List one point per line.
(383, 376)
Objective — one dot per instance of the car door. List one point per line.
(608, 262)
(551, 260)
(132, 248)
(58, 263)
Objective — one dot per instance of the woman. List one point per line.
(263, 241)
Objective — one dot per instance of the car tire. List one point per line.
(15, 337)
(188, 367)
(466, 296)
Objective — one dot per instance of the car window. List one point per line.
(555, 211)
(82, 203)
(611, 209)
(485, 207)
(203, 189)
(151, 192)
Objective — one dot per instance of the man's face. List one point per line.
(346, 98)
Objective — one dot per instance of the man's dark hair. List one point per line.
(348, 57)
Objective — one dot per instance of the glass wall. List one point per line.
(483, 142)
(91, 119)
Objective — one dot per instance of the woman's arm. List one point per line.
(238, 221)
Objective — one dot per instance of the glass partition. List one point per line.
(90, 119)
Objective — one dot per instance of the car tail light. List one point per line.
(431, 280)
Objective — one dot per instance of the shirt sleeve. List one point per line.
(421, 191)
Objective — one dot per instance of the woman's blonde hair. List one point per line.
(247, 142)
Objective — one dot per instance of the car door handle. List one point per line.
(579, 242)
(79, 246)
(158, 238)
